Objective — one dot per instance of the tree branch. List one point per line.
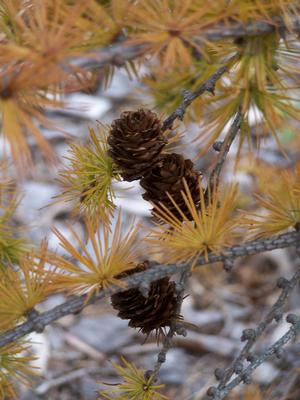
(75, 304)
(245, 374)
(225, 147)
(175, 327)
(118, 54)
(251, 336)
(189, 97)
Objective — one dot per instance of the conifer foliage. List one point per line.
(231, 68)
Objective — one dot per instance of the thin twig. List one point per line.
(250, 336)
(189, 97)
(76, 304)
(175, 327)
(245, 374)
(225, 147)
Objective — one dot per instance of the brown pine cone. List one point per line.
(167, 176)
(151, 313)
(136, 142)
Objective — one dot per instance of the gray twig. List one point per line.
(175, 327)
(245, 374)
(189, 97)
(75, 304)
(250, 336)
(224, 149)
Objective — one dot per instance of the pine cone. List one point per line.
(136, 142)
(151, 313)
(167, 176)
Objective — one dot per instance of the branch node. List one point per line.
(180, 114)
(37, 326)
(210, 87)
(278, 315)
(212, 391)
(246, 378)
(282, 283)
(117, 61)
(292, 319)
(248, 334)
(181, 331)
(279, 353)
(228, 265)
(151, 374)
(238, 368)
(217, 146)
(179, 287)
(219, 373)
(32, 314)
(77, 312)
(144, 289)
(186, 94)
(161, 358)
(251, 358)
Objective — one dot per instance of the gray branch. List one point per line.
(189, 97)
(175, 326)
(225, 147)
(37, 322)
(119, 53)
(250, 336)
(244, 376)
